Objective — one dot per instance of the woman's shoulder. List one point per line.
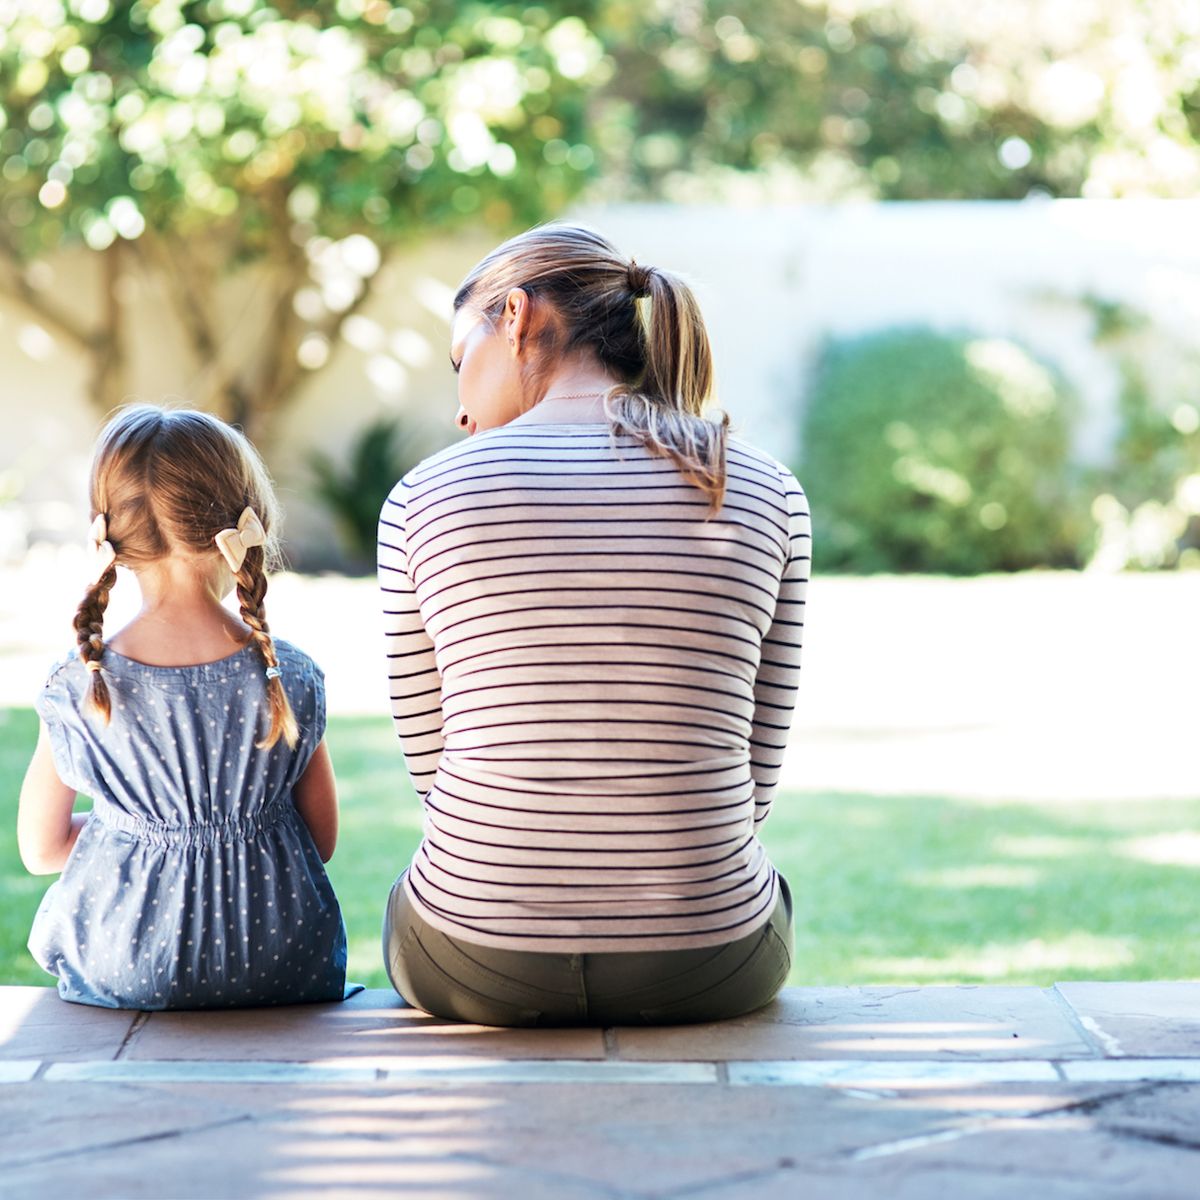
(749, 456)
(491, 445)
(460, 451)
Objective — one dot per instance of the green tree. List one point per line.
(301, 141)
(899, 99)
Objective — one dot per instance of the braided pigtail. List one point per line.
(251, 589)
(89, 633)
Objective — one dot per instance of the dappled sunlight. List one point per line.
(16, 1011)
(1041, 845)
(919, 1038)
(1180, 849)
(426, 1104)
(916, 1038)
(1075, 951)
(995, 875)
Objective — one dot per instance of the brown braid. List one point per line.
(89, 633)
(251, 590)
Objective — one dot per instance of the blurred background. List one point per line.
(946, 252)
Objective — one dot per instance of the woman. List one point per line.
(594, 607)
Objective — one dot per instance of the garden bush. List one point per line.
(943, 453)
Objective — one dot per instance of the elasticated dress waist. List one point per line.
(197, 833)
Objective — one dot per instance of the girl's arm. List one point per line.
(315, 797)
(46, 826)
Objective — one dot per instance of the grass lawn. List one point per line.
(924, 889)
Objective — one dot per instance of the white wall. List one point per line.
(772, 283)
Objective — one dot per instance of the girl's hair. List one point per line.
(642, 323)
(167, 481)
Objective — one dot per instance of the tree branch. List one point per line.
(40, 306)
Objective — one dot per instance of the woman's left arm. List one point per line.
(779, 665)
(47, 828)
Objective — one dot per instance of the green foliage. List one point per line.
(347, 117)
(355, 492)
(364, 116)
(900, 100)
(1147, 498)
(928, 452)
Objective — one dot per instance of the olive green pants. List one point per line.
(462, 981)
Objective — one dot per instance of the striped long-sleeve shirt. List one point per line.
(592, 681)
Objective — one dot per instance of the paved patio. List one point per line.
(1084, 1090)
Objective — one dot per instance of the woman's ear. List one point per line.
(516, 319)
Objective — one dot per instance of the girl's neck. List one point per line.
(182, 621)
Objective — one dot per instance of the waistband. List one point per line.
(197, 833)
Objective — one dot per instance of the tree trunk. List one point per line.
(109, 385)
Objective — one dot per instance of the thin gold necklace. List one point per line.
(572, 396)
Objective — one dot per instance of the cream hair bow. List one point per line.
(103, 554)
(233, 543)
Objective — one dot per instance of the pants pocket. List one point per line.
(747, 987)
(448, 990)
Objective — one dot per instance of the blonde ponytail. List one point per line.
(665, 411)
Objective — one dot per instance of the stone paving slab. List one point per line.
(1159, 1113)
(36, 1024)
(374, 1026)
(1055, 1155)
(878, 1022)
(41, 1125)
(1138, 1019)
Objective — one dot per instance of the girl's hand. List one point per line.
(46, 826)
(315, 798)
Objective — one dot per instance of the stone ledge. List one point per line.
(1080, 1092)
(375, 1032)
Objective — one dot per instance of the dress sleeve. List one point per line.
(414, 684)
(59, 711)
(779, 666)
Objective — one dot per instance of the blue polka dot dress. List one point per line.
(194, 882)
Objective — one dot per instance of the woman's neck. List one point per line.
(573, 395)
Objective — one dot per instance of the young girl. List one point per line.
(196, 881)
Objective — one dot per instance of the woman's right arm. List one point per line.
(46, 825)
(415, 685)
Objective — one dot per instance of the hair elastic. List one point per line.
(273, 672)
(94, 665)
